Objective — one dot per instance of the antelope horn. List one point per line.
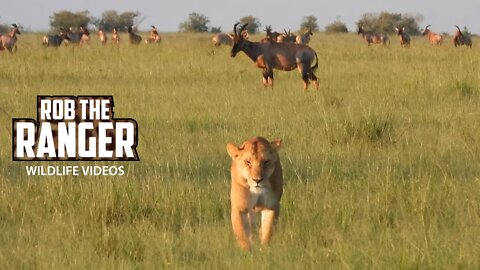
(427, 26)
(235, 29)
(243, 28)
(458, 28)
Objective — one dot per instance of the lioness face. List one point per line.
(255, 160)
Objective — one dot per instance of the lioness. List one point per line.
(257, 185)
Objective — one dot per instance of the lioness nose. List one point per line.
(257, 180)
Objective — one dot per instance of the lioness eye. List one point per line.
(249, 164)
(266, 162)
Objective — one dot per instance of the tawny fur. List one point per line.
(434, 38)
(115, 36)
(257, 186)
(8, 42)
(102, 36)
(226, 38)
(154, 37)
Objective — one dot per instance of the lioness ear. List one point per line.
(276, 144)
(233, 151)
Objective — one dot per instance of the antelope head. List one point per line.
(15, 28)
(360, 29)
(238, 40)
(400, 30)
(426, 30)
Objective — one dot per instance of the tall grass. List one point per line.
(381, 164)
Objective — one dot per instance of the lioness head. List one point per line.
(255, 160)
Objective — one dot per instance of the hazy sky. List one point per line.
(167, 15)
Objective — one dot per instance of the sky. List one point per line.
(167, 15)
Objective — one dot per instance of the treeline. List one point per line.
(383, 22)
(108, 20)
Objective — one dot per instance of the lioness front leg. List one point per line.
(241, 228)
(269, 217)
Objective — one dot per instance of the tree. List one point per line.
(336, 27)
(253, 23)
(195, 23)
(111, 19)
(385, 22)
(216, 29)
(4, 28)
(309, 22)
(67, 19)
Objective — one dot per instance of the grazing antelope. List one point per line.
(373, 37)
(134, 38)
(461, 39)
(115, 35)
(9, 41)
(154, 37)
(287, 37)
(435, 39)
(282, 56)
(226, 38)
(305, 38)
(55, 40)
(102, 36)
(404, 36)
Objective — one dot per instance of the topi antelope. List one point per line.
(271, 36)
(461, 39)
(102, 36)
(134, 38)
(226, 38)
(435, 39)
(115, 35)
(73, 37)
(55, 40)
(404, 36)
(154, 37)
(286, 37)
(373, 37)
(282, 56)
(305, 38)
(85, 37)
(9, 41)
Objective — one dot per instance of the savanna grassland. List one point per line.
(381, 164)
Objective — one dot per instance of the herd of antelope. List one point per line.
(82, 36)
(282, 51)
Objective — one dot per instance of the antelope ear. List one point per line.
(233, 151)
(276, 144)
(230, 35)
(396, 29)
(403, 28)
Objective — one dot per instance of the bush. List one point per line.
(67, 19)
(309, 22)
(195, 23)
(384, 22)
(253, 23)
(336, 27)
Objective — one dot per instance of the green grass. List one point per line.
(381, 164)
